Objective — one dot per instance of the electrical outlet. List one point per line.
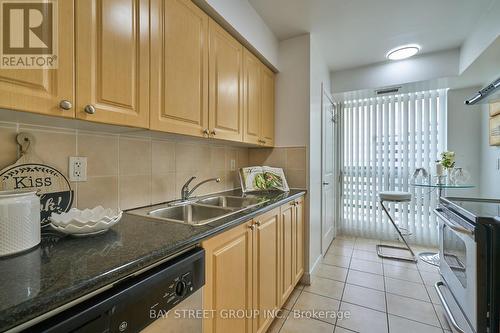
(233, 165)
(77, 169)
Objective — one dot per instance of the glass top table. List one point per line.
(432, 257)
(445, 186)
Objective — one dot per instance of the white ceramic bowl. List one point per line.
(85, 222)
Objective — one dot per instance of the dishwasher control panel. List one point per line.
(134, 303)
(152, 302)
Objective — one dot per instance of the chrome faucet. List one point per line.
(186, 192)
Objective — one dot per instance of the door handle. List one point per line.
(453, 226)
(65, 104)
(326, 183)
(447, 310)
(90, 109)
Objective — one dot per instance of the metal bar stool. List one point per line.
(398, 197)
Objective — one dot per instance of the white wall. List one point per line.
(490, 174)
(486, 31)
(292, 93)
(422, 68)
(464, 135)
(320, 75)
(298, 121)
(243, 17)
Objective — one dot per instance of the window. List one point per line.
(384, 140)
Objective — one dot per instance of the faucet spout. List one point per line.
(186, 193)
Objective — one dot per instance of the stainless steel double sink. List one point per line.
(200, 211)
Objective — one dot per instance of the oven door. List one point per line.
(458, 262)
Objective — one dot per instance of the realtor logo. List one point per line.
(29, 34)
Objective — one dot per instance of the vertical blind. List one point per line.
(384, 140)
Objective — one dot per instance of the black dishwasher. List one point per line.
(134, 303)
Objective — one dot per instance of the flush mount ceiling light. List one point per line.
(403, 52)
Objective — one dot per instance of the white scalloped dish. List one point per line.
(86, 222)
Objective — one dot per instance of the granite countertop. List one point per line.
(64, 268)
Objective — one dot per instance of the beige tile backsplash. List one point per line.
(291, 159)
(124, 171)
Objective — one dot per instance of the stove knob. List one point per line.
(180, 289)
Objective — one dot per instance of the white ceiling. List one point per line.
(353, 33)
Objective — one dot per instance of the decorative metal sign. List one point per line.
(53, 188)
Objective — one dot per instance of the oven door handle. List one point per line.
(453, 226)
(447, 309)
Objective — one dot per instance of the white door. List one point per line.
(328, 228)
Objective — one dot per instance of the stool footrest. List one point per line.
(411, 257)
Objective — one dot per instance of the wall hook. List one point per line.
(26, 141)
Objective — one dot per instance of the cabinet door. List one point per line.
(266, 268)
(299, 239)
(267, 127)
(112, 61)
(179, 67)
(253, 98)
(41, 90)
(228, 276)
(287, 270)
(225, 85)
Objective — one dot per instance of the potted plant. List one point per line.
(446, 163)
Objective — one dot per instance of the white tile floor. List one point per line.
(380, 295)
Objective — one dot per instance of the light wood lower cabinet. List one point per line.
(292, 246)
(112, 61)
(287, 270)
(229, 279)
(42, 90)
(298, 244)
(266, 269)
(254, 268)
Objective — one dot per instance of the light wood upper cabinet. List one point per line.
(253, 98)
(258, 121)
(299, 239)
(112, 61)
(228, 279)
(287, 270)
(266, 268)
(225, 85)
(267, 118)
(158, 64)
(42, 90)
(179, 67)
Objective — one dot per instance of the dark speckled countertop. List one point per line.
(64, 268)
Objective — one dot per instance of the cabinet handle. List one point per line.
(252, 227)
(262, 141)
(90, 109)
(212, 132)
(292, 203)
(65, 104)
(206, 132)
(258, 223)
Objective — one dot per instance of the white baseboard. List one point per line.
(306, 278)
